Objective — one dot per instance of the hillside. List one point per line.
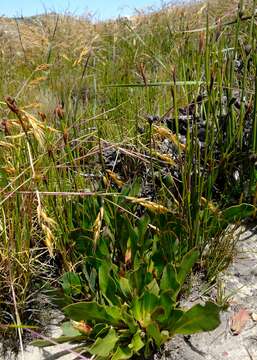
(127, 164)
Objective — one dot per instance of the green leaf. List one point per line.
(89, 311)
(134, 189)
(169, 280)
(98, 330)
(198, 318)
(107, 284)
(153, 287)
(103, 347)
(122, 353)
(71, 283)
(129, 320)
(81, 238)
(158, 256)
(92, 280)
(138, 278)
(142, 229)
(162, 313)
(174, 316)
(186, 265)
(125, 287)
(69, 330)
(167, 301)
(159, 314)
(238, 212)
(143, 308)
(137, 343)
(114, 311)
(153, 332)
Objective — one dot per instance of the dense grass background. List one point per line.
(78, 91)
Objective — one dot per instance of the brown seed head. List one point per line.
(42, 116)
(59, 111)
(6, 127)
(12, 105)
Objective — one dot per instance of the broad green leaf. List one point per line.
(114, 311)
(125, 287)
(137, 343)
(71, 283)
(103, 247)
(159, 314)
(69, 330)
(186, 265)
(153, 332)
(153, 287)
(103, 347)
(107, 284)
(158, 257)
(167, 304)
(122, 353)
(143, 240)
(143, 308)
(170, 322)
(169, 280)
(198, 318)
(89, 311)
(167, 301)
(238, 212)
(129, 321)
(138, 278)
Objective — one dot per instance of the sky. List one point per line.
(102, 9)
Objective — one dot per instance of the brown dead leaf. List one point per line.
(238, 321)
(82, 327)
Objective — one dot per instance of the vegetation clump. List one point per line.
(128, 148)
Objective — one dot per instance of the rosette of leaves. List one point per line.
(137, 308)
(132, 278)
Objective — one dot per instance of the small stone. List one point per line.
(254, 316)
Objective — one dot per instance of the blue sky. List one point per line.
(102, 8)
